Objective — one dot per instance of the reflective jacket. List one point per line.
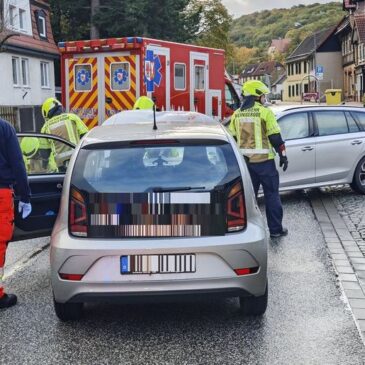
(252, 127)
(67, 126)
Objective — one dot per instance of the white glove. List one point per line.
(26, 208)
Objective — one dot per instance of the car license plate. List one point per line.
(157, 264)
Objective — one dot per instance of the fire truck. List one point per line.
(105, 76)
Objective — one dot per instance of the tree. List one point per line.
(5, 32)
(214, 24)
(166, 19)
(70, 19)
(241, 57)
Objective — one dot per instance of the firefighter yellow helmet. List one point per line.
(29, 146)
(49, 107)
(144, 103)
(254, 88)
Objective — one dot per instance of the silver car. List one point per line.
(150, 212)
(325, 146)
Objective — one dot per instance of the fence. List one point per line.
(10, 114)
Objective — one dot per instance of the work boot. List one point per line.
(8, 300)
(284, 232)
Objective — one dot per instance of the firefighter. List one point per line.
(36, 157)
(12, 171)
(143, 103)
(66, 125)
(257, 133)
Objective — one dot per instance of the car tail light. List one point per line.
(246, 271)
(236, 209)
(77, 214)
(71, 277)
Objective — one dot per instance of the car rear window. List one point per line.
(136, 169)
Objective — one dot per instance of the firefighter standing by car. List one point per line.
(258, 134)
(65, 125)
(12, 171)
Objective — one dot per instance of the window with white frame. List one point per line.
(20, 68)
(25, 71)
(45, 75)
(16, 71)
(41, 19)
(12, 15)
(22, 19)
(179, 78)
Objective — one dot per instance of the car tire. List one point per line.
(254, 306)
(68, 311)
(358, 182)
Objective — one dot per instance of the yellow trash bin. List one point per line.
(333, 96)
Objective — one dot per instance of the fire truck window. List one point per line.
(180, 76)
(83, 78)
(199, 78)
(119, 76)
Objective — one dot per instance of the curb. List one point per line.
(346, 256)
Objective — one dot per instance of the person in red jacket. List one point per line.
(12, 173)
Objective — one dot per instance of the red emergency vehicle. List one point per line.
(102, 77)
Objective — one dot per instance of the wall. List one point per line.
(24, 96)
(333, 70)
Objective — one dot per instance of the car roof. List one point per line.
(140, 116)
(281, 109)
(142, 129)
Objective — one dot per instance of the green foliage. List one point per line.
(165, 19)
(70, 19)
(258, 29)
(213, 26)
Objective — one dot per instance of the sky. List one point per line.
(241, 7)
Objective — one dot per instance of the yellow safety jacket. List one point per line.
(68, 126)
(252, 128)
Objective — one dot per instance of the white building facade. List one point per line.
(27, 63)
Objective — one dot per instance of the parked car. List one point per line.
(325, 146)
(148, 212)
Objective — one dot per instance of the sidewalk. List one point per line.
(348, 259)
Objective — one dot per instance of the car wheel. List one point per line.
(68, 311)
(358, 183)
(254, 306)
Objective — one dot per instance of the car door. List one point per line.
(339, 146)
(46, 158)
(296, 130)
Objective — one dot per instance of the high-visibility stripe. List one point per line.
(124, 99)
(84, 99)
(254, 151)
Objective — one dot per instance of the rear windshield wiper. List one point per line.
(160, 189)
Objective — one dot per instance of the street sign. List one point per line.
(319, 72)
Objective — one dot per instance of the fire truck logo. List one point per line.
(152, 71)
(83, 77)
(120, 76)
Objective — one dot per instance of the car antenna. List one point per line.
(154, 113)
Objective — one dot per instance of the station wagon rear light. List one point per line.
(77, 214)
(71, 277)
(236, 209)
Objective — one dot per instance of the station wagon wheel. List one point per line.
(358, 183)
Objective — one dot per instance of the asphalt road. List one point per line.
(307, 322)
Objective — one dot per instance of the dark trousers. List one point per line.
(265, 174)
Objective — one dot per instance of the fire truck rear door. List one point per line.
(121, 82)
(82, 88)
